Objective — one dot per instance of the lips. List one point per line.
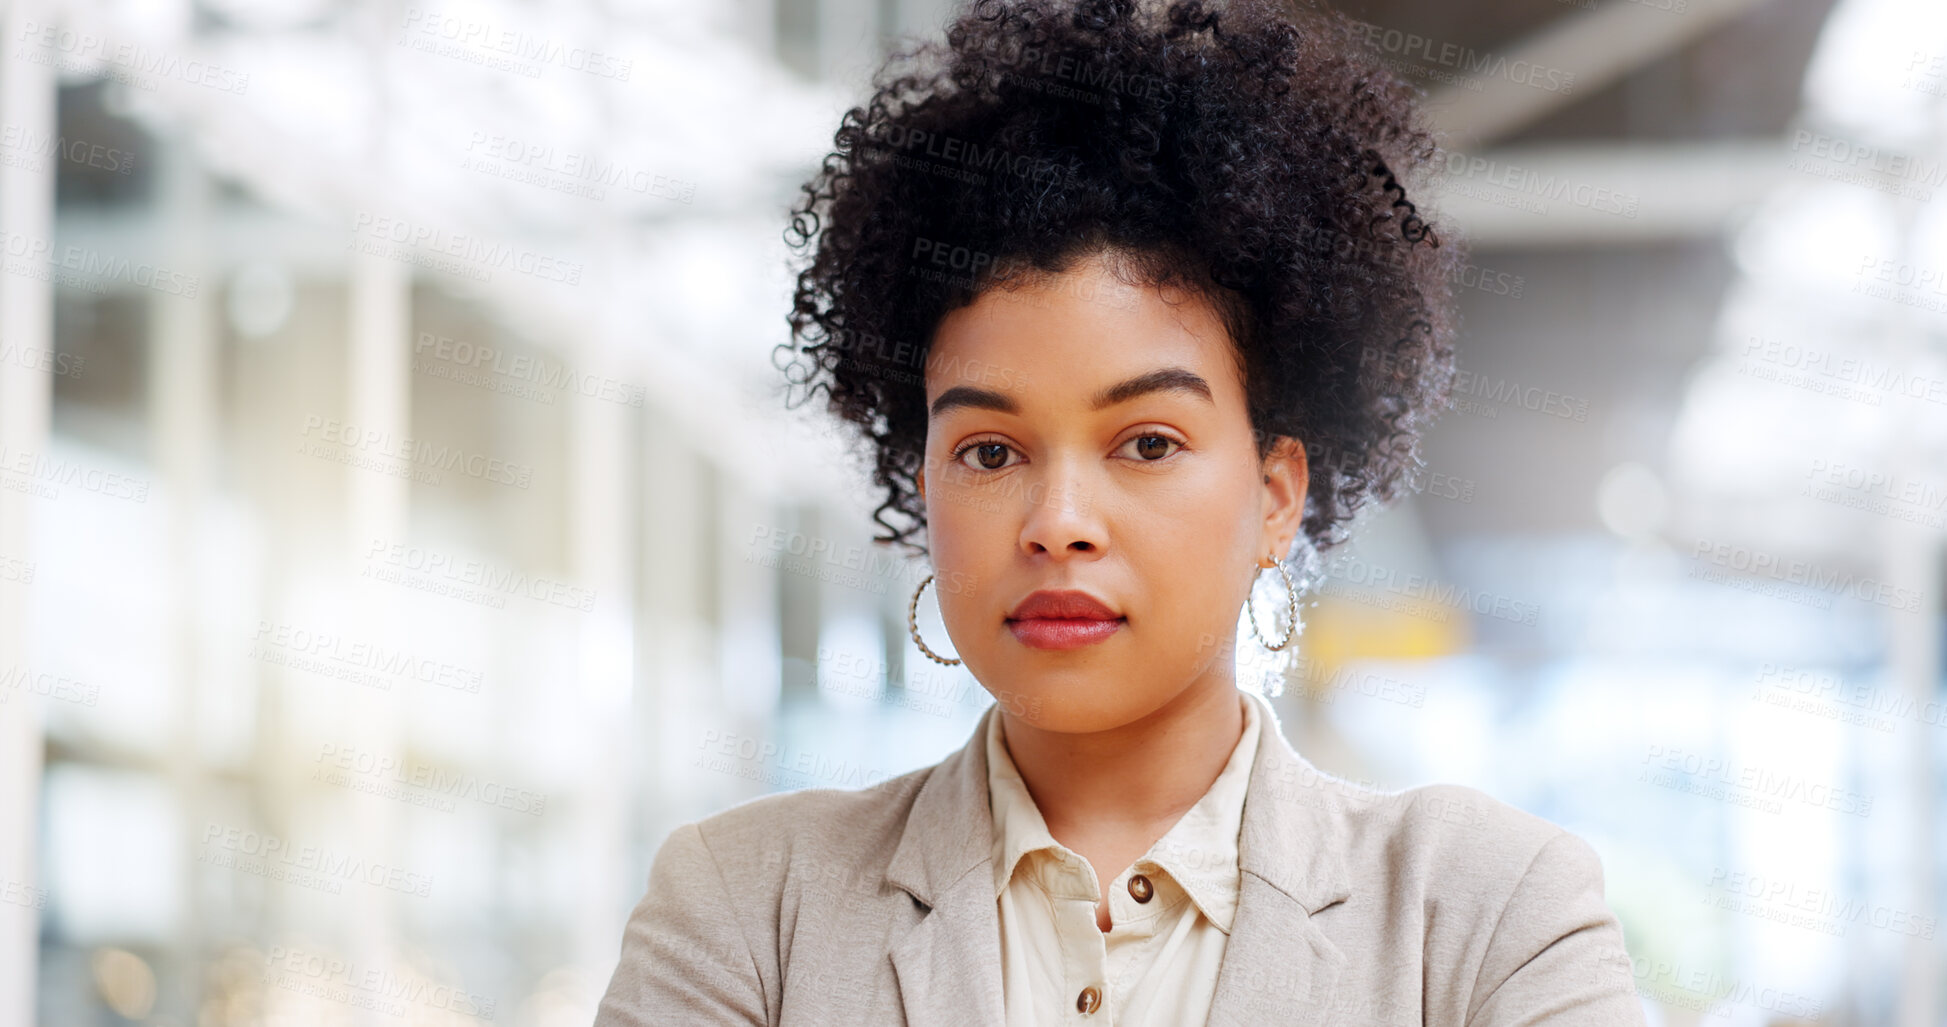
(1065, 604)
(1064, 619)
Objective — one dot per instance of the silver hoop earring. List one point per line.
(1291, 622)
(912, 625)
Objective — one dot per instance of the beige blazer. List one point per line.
(1438, 905)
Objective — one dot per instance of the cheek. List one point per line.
(1211, 525)
(1196, 601)
(1191, 594)
(1195, 578)
(963, 527)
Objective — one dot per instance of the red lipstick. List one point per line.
(1062, 619)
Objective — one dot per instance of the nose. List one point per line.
(1060, 520)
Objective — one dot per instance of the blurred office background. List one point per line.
(402, 529)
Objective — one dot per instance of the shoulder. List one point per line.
(1470, 842)
(767, 838)
(1453, 838)
(1456, 850)
(704, 939)
(1509, 907)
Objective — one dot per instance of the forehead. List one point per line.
(1065, 336)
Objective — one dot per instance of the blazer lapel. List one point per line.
(949, 964)
(1278, 965)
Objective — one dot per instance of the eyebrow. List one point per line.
(1165, 379)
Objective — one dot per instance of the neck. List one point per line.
(1137, 778)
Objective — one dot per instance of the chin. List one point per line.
(1075, 707)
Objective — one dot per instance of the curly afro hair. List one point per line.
(1250, 152)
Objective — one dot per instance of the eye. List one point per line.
(1153, 446)
(989, 454)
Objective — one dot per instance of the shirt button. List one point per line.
(1139, 888)
(1089, 999)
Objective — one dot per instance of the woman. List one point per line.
(1128, 304)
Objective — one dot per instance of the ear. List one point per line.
(1287, 474)
(921, 480)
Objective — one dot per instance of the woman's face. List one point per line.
(1088, 435)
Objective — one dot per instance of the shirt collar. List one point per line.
(1199, 851)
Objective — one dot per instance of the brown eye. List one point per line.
(990, 455)
(1153, 447)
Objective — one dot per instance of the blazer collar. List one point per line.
(1277, 963)
(949, 964)
(1198, 853)
(1278, 966)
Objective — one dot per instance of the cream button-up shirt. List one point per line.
(1170, 910)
